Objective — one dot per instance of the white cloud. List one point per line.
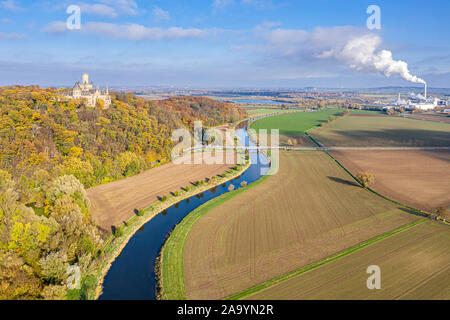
(56, 27)
(160, 14)
(298, 42)
(129, 7)
(10, 5)
(139, 32)
(98, 9)
(363, 54)
(11, 35)
(102, 8)
(354, 47)
(258, 3)
(222, 4)
(131, 31)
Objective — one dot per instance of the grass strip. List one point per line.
(252, 290)
(114, 245)
(412, 209)
(171, 279)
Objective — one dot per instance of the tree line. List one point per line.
(52, 149)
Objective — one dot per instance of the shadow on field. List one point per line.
(343, 181)
(414, 212)
(394, 137)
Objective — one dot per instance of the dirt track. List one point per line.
(418, 178)
(115, 202)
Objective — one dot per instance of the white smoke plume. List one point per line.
(362, 54)
(417, 95)
(354, 46)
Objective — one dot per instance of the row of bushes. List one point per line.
(119, 231)
(333, 118)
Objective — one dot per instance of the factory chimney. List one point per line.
(425, 91)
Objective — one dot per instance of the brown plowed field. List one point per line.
(115, 202)
(414, 264)
(309, 210)
(431, 117)
(418, 178)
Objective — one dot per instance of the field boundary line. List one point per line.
(269, 283)
(415, 211)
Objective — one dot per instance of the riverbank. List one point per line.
(173, 288)
(115, 245)
(173, 271)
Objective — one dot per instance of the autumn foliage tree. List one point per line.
(51, 150)
(443, 213)
(366, 179)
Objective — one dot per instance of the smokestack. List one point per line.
(425, 91)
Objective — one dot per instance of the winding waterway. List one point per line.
(132, 274)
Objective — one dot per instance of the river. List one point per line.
(132, 274)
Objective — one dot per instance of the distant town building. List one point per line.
(426, 104)
(401, 102)
(86, 90)
(422, 103)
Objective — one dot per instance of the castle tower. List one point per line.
(85, 78)
(87, 91)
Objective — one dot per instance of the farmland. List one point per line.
(419, 178)
(380, 131)
(295, 124)
(116, 202)
(431, 117)
(414, 264)
(308, 211)
(265, 111)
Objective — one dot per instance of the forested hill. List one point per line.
(37, 131)
(51, 149)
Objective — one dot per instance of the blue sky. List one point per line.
(224, 43)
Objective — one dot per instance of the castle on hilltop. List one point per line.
(86, 90)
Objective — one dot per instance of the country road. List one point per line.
(312, 148)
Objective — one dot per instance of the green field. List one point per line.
(355, 111)
(309, 210)
(414, 264)
(295, 124)
(382, 132)
(266, 111)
